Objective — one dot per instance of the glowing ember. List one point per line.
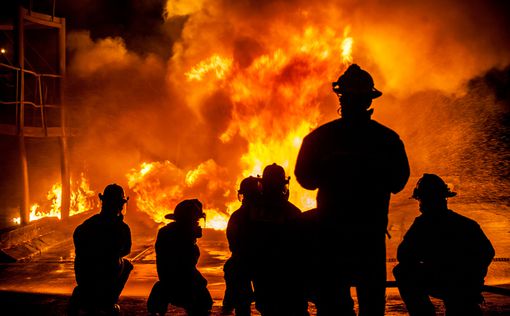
(82, 199)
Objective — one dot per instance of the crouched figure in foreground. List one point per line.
(177, 253)
(100, 243)
(443, 254)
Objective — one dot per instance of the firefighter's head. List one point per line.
(274, 182)
(187, 211)
(113, 199)
(250, 190)
(432, 193)
(355, 90)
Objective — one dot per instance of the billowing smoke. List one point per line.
(220, 83)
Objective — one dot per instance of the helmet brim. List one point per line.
(450, 194)
(375, 93)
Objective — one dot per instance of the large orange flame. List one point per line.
(274, 105)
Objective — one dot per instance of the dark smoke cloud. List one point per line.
(139, 23)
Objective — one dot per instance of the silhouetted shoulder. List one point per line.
(91, 220)
(325, 129)
(450, 218)
(292, 210)
(339, 125)
(462, 220)
(85, 227)
(383, 130)
(167, 230)
(238, 216)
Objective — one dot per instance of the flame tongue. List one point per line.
(82, 199)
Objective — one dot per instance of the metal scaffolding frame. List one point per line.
(28, 19)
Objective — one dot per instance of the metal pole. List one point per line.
(64, 162)
(25, 195)
(53, 12)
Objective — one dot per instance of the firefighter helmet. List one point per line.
(187, 210)
(431, 185)
(274, 175)
(249, 188)
(356, 81)
(113, 193)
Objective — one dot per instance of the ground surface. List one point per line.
(42, 285)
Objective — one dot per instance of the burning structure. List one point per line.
(180, 99)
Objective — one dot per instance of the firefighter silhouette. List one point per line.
(238, 278)
(100, 243)
(177, 253)
(356, 163)
(274, 249)
(443, 254)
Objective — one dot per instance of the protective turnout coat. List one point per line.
(356, 166)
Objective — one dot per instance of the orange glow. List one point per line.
(82, 199)
(274, 105)
(159, 186)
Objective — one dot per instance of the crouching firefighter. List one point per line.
(100, 243)
(177, 253)
(443, 255)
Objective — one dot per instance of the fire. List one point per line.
(275, 102)
(82, 199)
(159, 186)
(347, 47)
(274, 105)
(216, 64)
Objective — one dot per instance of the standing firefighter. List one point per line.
(443, 254)
(275, 242)
(100, 243)
(177, 253)
(238, 276)
(356, 163)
